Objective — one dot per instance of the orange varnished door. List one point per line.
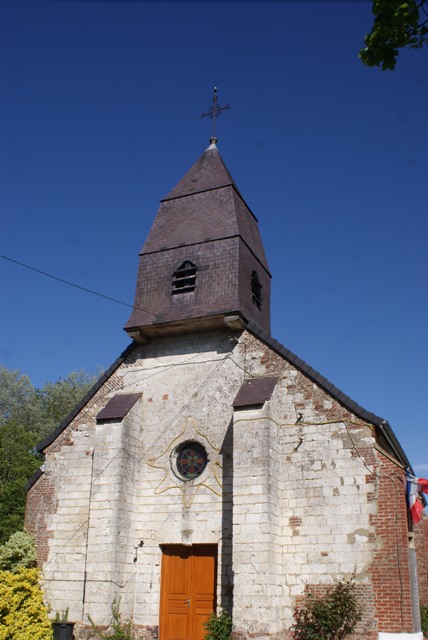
(187, 591)
(203, 590)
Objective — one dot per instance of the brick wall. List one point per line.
(390, 567)
(421, 545)
(41, 503)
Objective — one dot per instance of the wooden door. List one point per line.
(188, 582)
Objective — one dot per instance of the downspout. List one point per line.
(414, 586)
(85, 575)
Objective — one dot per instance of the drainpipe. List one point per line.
(87, 538)
(414, 587)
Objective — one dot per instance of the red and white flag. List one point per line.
(414, 487)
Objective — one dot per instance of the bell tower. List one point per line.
(203, 264)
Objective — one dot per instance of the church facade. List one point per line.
(211, 468)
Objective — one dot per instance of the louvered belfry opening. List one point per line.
(256, 290)
(184, 278)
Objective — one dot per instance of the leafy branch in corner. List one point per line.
(396, 25)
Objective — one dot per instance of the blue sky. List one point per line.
(99, 120)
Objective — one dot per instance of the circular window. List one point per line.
(191, 460)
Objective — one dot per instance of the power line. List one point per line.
(76, 286)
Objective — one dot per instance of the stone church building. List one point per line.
(210, 467)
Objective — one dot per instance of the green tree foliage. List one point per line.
(27, 416)
(16, 393)
(40, 410)
(397, 24)
(57, 399)
(331, 616)
(17, 464)
(22, 612)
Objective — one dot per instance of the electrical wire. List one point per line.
(76, 286)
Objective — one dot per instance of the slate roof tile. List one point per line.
(118, 406)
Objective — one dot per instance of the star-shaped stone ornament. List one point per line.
(190, 461)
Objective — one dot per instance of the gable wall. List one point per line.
(342, 516)
(289, 495)
(114, 485)
(325, 507)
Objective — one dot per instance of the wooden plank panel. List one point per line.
(179, 575)
(175, 594)
(203, 589)
(188, 582)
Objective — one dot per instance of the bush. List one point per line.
(218, 627)
(18, 551)
(22, 612)
(424, 618)
(331, 616)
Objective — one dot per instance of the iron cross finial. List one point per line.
(213, 113)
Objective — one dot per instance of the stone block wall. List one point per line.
(296, 492)
(326, 508)
(257, 569)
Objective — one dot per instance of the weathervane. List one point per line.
(213, 113)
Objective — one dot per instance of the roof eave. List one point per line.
(97, 386)
(337, 394)
(393, 442)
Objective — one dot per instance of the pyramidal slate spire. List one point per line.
(203, 264)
